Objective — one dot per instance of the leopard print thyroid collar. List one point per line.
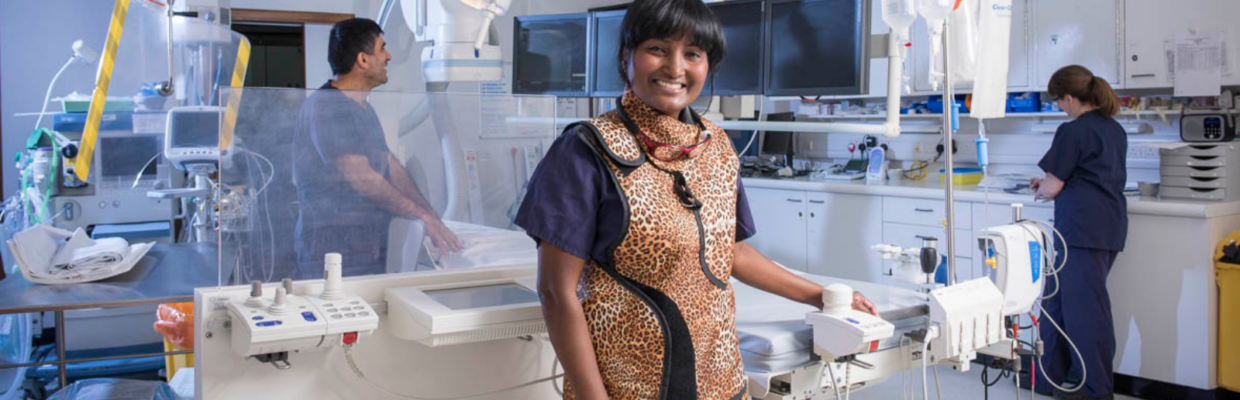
(658, 126)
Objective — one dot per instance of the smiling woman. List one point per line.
(666, 57)
(644, 212)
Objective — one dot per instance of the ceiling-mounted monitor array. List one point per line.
(774, 48)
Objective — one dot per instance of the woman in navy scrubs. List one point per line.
(1085, 175)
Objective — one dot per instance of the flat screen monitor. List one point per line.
(550, 55)
(194, 129)
(817, 47)
(122, 157)
(604, 53)
(741, 70)
(780, 143)
(192, 135)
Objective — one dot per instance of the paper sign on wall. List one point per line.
(1198, 63)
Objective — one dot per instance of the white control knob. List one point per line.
(256, 295)
(288, 286)
(278, 307)
(837, 299)
(331, 275)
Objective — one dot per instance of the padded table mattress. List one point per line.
(773, 334)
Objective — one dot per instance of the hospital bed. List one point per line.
(777, 343)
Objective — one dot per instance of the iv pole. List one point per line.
(949, 111)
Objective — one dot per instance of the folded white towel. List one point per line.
(55, 256)
(99, 255)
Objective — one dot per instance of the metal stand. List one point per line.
(204, 214)
(949, 109)
(61, 369)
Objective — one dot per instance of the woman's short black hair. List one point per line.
(670, 19)
(349, 37)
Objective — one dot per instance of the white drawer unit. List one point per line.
(1196, 172)
(1198, 150)
(1199, 172)
(924, 212)
(1192, 193)
(1194, 161)
(1193, 182)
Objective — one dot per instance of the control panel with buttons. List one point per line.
(287, 322)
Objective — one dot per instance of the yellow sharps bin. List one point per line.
(1227, 276)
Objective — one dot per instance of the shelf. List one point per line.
(814, 124)
(1058, 114)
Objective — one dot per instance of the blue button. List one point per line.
(257, 318)
(268, 323)
(309, 316)
(852, 320)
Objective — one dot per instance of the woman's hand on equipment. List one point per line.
(1034, 184)
(860, 303)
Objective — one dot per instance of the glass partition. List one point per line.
(394, 181)
(123, 161)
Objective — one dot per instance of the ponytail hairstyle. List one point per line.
(1079, 82)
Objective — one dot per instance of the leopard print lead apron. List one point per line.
(661, 314)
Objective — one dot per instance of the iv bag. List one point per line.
(899, 15)
(990, 86)
(964, 42)
(935, 12)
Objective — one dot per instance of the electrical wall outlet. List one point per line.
(812, 146)
(1138, 151)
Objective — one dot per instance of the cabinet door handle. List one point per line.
(811, 215)
(1143, 75)
(794, 200)
(924, 210)
(800, 214)
(817, 202)
(924, 237)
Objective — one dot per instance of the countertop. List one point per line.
(930, 188)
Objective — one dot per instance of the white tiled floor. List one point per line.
(955, 386)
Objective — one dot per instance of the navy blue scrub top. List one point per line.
(573, 204)
(333, 216)
(1089, 154)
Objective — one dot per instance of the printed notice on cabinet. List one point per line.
(1198, 63)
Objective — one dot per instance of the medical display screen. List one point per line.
(550, 55)
(817, 47)
(741, 70)
(194, 129)
(467, 298)
(779, 143)
(605, 53)
(123, 157)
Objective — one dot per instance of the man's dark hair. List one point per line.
(670, 19)
(349, 37)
